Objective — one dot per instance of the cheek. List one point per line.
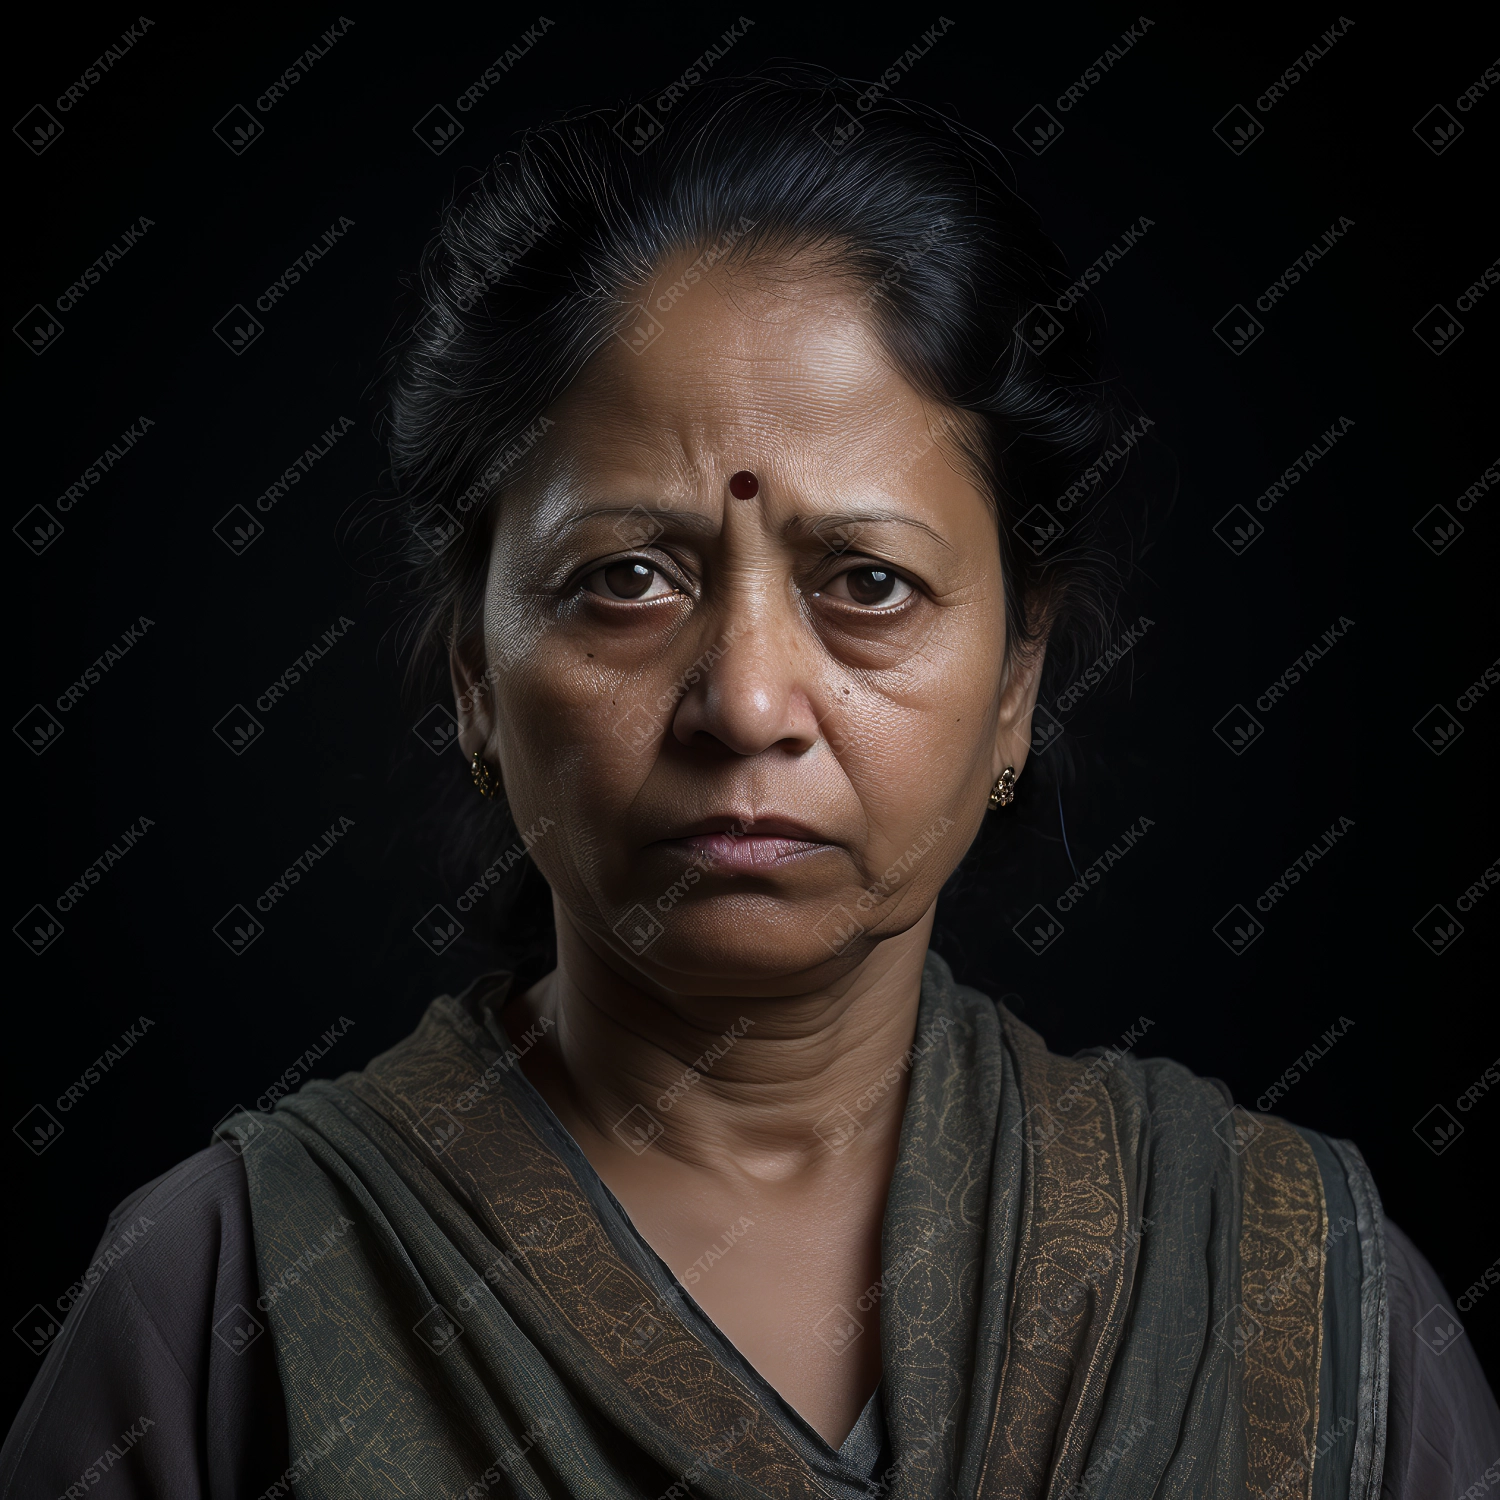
(575, 746)
(571, 729)
(916, 740)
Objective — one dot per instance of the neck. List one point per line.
(764, 1087)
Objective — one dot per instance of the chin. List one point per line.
(753, 942)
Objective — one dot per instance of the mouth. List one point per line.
(732, 845)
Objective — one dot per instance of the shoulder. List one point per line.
(166, 1249)
(145, 1359)
(172, 1251)
(1443, 1433)
(189, 1220)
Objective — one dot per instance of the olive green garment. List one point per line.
(1099, 1280)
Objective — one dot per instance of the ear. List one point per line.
(473, 692)
(1023, 676)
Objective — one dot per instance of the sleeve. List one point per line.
(160, 1382)
(1443, 1427)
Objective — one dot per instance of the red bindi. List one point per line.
(744, 485)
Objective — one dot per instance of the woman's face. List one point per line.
(751, 736)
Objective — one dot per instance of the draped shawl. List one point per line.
(1100, 1279)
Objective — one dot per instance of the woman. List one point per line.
(720, 459)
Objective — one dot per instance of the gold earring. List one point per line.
(1003, 793)
(484, 778)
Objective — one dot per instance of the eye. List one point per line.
(871, 586)
(630, 579)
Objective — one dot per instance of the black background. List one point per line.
(1140, 142)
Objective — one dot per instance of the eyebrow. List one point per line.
(836, 520)
(689, 520)
(813, 525)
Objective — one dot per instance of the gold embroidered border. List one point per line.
(1283, 1232)
(1074, 1267)
(546, 1231)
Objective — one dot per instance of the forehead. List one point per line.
(747, 365)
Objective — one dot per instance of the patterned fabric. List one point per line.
(1098, 1280)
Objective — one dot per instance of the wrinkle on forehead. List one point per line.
(760, 366)
(744, 358)
(737, 374)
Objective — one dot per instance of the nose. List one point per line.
(749, 689)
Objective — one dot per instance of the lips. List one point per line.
(746, 825)
(731, 844)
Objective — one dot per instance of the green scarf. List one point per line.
(1099, 1279)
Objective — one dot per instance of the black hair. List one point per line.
(538, 264)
